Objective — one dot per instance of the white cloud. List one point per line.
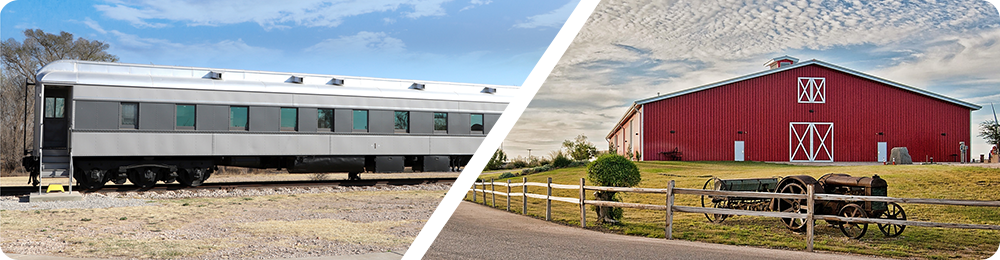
(93, 25)
(362, 42)
(555, 18)
(136, 49)
(475, 3)
(268, 14)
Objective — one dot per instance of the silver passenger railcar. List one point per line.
(111, 122)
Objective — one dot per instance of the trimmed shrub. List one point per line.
(612, 170)
(506, 175)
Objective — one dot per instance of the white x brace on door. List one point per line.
(810, 142)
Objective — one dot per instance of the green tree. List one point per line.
(496, 162)
(612, 170)
(580, 149)
(990, 131)
(20, 61)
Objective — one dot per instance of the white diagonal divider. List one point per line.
(475, 166)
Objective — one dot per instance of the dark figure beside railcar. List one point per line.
(832, 183)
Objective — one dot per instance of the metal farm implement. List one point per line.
(832, 183)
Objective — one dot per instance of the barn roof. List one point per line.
(819, 63)
(634, 107)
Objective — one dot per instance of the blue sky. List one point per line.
(472, 41)
(634, 49)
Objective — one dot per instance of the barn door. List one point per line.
(810, 142)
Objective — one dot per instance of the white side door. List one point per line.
(883, 152)
(739, 151)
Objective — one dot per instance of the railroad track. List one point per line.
(24, 190)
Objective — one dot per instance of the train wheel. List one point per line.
(893, 211)
(715, 202)
(793, 206)
(192, 177)
(354, 176)
(853, 230)
(145, 178)
(93, 179)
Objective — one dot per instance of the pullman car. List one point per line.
(104, 122)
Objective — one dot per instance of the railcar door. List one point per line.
(55, 117)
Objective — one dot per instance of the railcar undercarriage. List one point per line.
(94, 172)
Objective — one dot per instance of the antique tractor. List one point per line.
(833, 183)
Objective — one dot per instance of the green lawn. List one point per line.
(905, 181)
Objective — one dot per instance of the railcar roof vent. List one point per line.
(417, 86)
(336, 81)
(782, 61)
(295, 79)
(213, 75)
(489, 90)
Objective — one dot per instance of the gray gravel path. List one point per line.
(479, 232)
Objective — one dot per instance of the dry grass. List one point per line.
(331, 229)
(910, 181)
(199, 227)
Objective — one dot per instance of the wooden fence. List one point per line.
(811, 197)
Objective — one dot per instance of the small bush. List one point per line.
(85, 219)
(519, 163)
(506, 175)
(126, 218)
(559, 160)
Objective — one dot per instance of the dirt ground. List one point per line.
(377, 219)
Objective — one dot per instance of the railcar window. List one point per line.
(440, 122)
(238, 118)
(130, 115)
(185, 117)
(402, 122)
(477, 123)
(325, 121)
(360, 120)
(289, 119)
(55, 107)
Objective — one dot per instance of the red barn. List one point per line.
(811, 111)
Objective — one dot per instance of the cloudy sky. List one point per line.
(631, 50)
(473, 41)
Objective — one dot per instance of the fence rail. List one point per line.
(811, 197)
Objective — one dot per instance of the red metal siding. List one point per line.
(707, 122)
(625, 137)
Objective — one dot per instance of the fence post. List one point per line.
(508, 195)
(493, 191)
(548, 201)
(811, 203)
(583, 206)
(524, 196)
(484, 192)
(474, 191)
(669, 229)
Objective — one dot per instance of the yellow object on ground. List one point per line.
(55, 187)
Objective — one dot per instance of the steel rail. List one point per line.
(24, 190)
